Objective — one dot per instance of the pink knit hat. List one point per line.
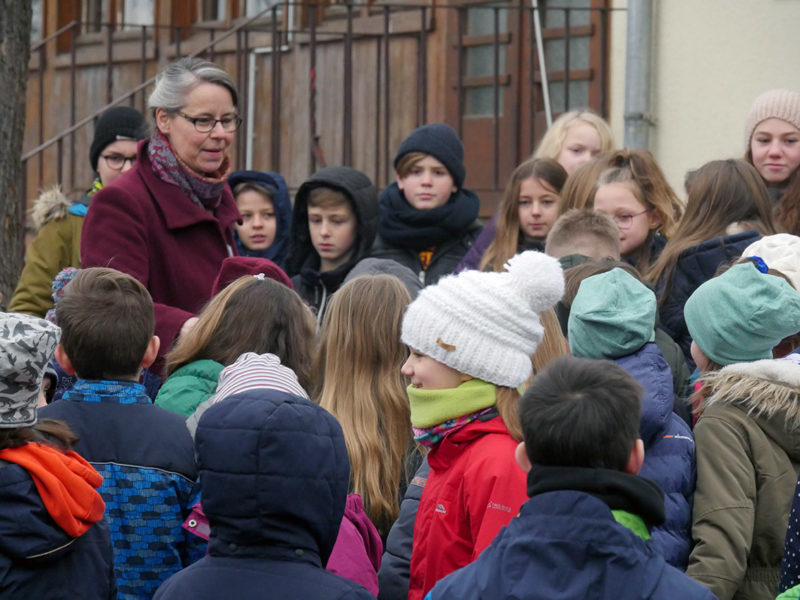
(778, 104)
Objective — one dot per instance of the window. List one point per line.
(37, 22)
(119, 14)
(480, 52)
(568, 84)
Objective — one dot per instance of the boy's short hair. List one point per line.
(325, 197)
(107, 321)
(581, 413)
(583, 232)
(249, 186)
(407, 162)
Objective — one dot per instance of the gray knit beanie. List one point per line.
(26, 346)
(778, 104)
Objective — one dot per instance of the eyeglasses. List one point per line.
(625, 221)
(117, 161)
(207, 124)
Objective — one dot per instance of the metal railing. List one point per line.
(268, 41)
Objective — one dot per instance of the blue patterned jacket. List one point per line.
(145, 455)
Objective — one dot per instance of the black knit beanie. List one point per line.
(440, 141)
(118, 123)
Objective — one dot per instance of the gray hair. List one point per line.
(179, 78)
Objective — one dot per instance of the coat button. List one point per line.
(299, 552)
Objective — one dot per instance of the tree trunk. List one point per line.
(15, 31)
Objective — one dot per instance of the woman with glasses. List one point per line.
(728, 209)
(58, 219)
(169, 221)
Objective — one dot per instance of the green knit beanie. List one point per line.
(741, 315)
(613, 315)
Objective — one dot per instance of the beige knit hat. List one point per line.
(778, 104)
(486, 324)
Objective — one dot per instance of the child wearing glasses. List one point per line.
(58, 220)
(728, 209)
(633, 191)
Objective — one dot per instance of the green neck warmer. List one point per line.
(432, 407)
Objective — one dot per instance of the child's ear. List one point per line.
(521, 455)
(398, 179)
(152, 351)
(655, 219)
(636, 458)
(63, 360)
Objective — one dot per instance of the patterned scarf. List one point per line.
(430, 436)
(205, 191)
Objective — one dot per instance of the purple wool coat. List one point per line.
(150, 229)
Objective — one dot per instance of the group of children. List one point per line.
(343, 395)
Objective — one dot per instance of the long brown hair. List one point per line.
(506, 239)
(578, 191)
(787, 211)
(721, 193)
(251, 315)
(46, 431)
(358, 364)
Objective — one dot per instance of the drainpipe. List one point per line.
(638, 118)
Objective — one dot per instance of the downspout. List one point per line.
(639, 43)
(537, 28)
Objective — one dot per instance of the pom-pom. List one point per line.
(538, 278)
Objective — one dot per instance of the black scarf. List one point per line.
(400, 224)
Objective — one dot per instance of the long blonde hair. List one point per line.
(506, 240)
(358, 361)
(552, 142)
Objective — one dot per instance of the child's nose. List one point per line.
(406, 368)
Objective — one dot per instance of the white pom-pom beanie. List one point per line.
(486, 325)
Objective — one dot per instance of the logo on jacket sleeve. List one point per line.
(441, 509)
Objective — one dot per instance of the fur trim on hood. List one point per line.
(51, 205)
(764, 388)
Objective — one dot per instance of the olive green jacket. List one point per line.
(748, 458)
(57, 245)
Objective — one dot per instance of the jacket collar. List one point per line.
(445, 452)
(178, 210)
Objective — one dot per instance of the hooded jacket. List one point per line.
(748, 458)
(669, 457)
(303, 262)
(567, 543)
(282, 204)
(57, 245)
(695, 266)
(274, 473)
(474, 488)
(38, 559)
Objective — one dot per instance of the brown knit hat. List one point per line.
(778, 104)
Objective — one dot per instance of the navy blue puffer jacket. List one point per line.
(669, 455)
(274, 475)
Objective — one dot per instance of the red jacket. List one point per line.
(474, 489)
(151, 230)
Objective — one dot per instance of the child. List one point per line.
(634, 192)
(53, 540)
(428, 220)
(470, 340)
(333, 227)
(263, 201)
(728, 209)
(359, 382)
(747, 432)
(584, 531)
(58, 220)
(253, 314)
(613, 316)
(274, 471)
(772, 138)
(143, 452)
(527, 212)
(580, 234)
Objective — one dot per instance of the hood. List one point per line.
(699, 263)
(274, 473)
(51, 205)
(768, 391)
(283, 212)
(364, 202)
(650, 369)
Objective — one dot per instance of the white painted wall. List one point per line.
(711, 59)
